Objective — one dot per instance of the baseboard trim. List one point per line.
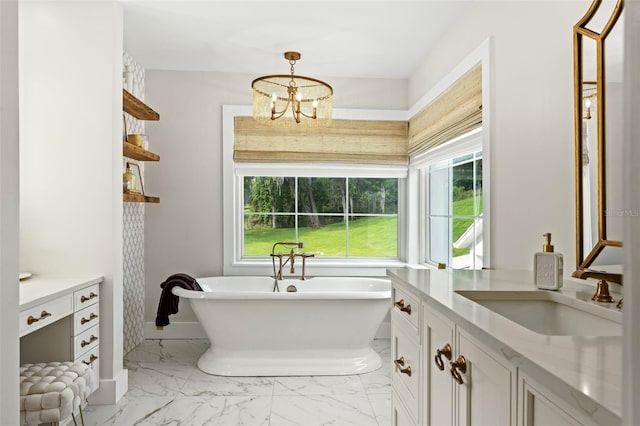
(111, 390)
(193, 330)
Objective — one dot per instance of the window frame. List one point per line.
(464, 145)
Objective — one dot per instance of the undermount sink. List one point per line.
(550, 313)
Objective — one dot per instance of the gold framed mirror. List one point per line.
(597, 60)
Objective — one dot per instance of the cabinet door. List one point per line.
(538, 406)
(487, 394)
(438, 384)
(399, 414)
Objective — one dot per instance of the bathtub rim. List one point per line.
(283, 294)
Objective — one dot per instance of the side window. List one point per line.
(333, 216)
(455, 212)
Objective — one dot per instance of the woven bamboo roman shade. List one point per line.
(352, 141)
(455, 112)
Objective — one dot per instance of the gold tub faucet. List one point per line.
(277, 274)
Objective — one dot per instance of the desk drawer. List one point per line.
(86, 341)
(91, 359)
(86, 297)
(85, 319)
(37, 317)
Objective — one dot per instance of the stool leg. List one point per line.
(73, 416)
(81, 416)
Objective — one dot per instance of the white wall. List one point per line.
(532, 145)
(184, 232)
(71, 154)
(9, 355)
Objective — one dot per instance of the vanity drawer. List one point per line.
(91, 359)
(408, 308)
(85, 319)
(405, 376)
(85, 297)
(86, 341)
(45, 314)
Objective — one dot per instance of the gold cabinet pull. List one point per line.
(457, 367)
(400, 363)
(90, 341)
(83, 320)
(86, 299)
(91, 359)
(446, 351)
(400, 305)
(32, 319)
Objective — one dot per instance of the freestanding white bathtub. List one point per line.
(325, 328)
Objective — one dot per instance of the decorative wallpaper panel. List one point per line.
(133, 232)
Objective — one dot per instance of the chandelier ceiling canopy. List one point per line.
(292, 100)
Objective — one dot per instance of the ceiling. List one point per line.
(353, 39)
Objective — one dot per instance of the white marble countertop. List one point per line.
(43, 288)
(584, 370)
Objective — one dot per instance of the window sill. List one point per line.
(317, 267)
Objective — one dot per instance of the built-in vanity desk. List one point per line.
(459, 362)
(59, 319)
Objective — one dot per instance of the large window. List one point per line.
(333, 216)
(455, 211)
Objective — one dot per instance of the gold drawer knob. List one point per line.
(32, 319)
(86, 299)
(400, 363)
(446, 351)
(400, 305)
(91, 359)
(84, 320)
(457, 367)
(90, 341)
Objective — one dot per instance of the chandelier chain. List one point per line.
(292, 82)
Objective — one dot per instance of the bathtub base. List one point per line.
(324, 362)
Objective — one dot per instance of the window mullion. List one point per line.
(296, 216)
(348, 205)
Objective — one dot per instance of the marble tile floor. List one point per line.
(167, 388)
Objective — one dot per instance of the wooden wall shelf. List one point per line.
(137, 108)
(132, 151)
(139, 198)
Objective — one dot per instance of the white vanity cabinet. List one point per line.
(465, 383)
(470, 366)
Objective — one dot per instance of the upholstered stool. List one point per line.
(50, 392)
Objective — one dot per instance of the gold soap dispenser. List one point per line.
(548, 267)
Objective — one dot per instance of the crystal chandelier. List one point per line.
(307, 99)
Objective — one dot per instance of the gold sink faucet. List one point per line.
(604, 278)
